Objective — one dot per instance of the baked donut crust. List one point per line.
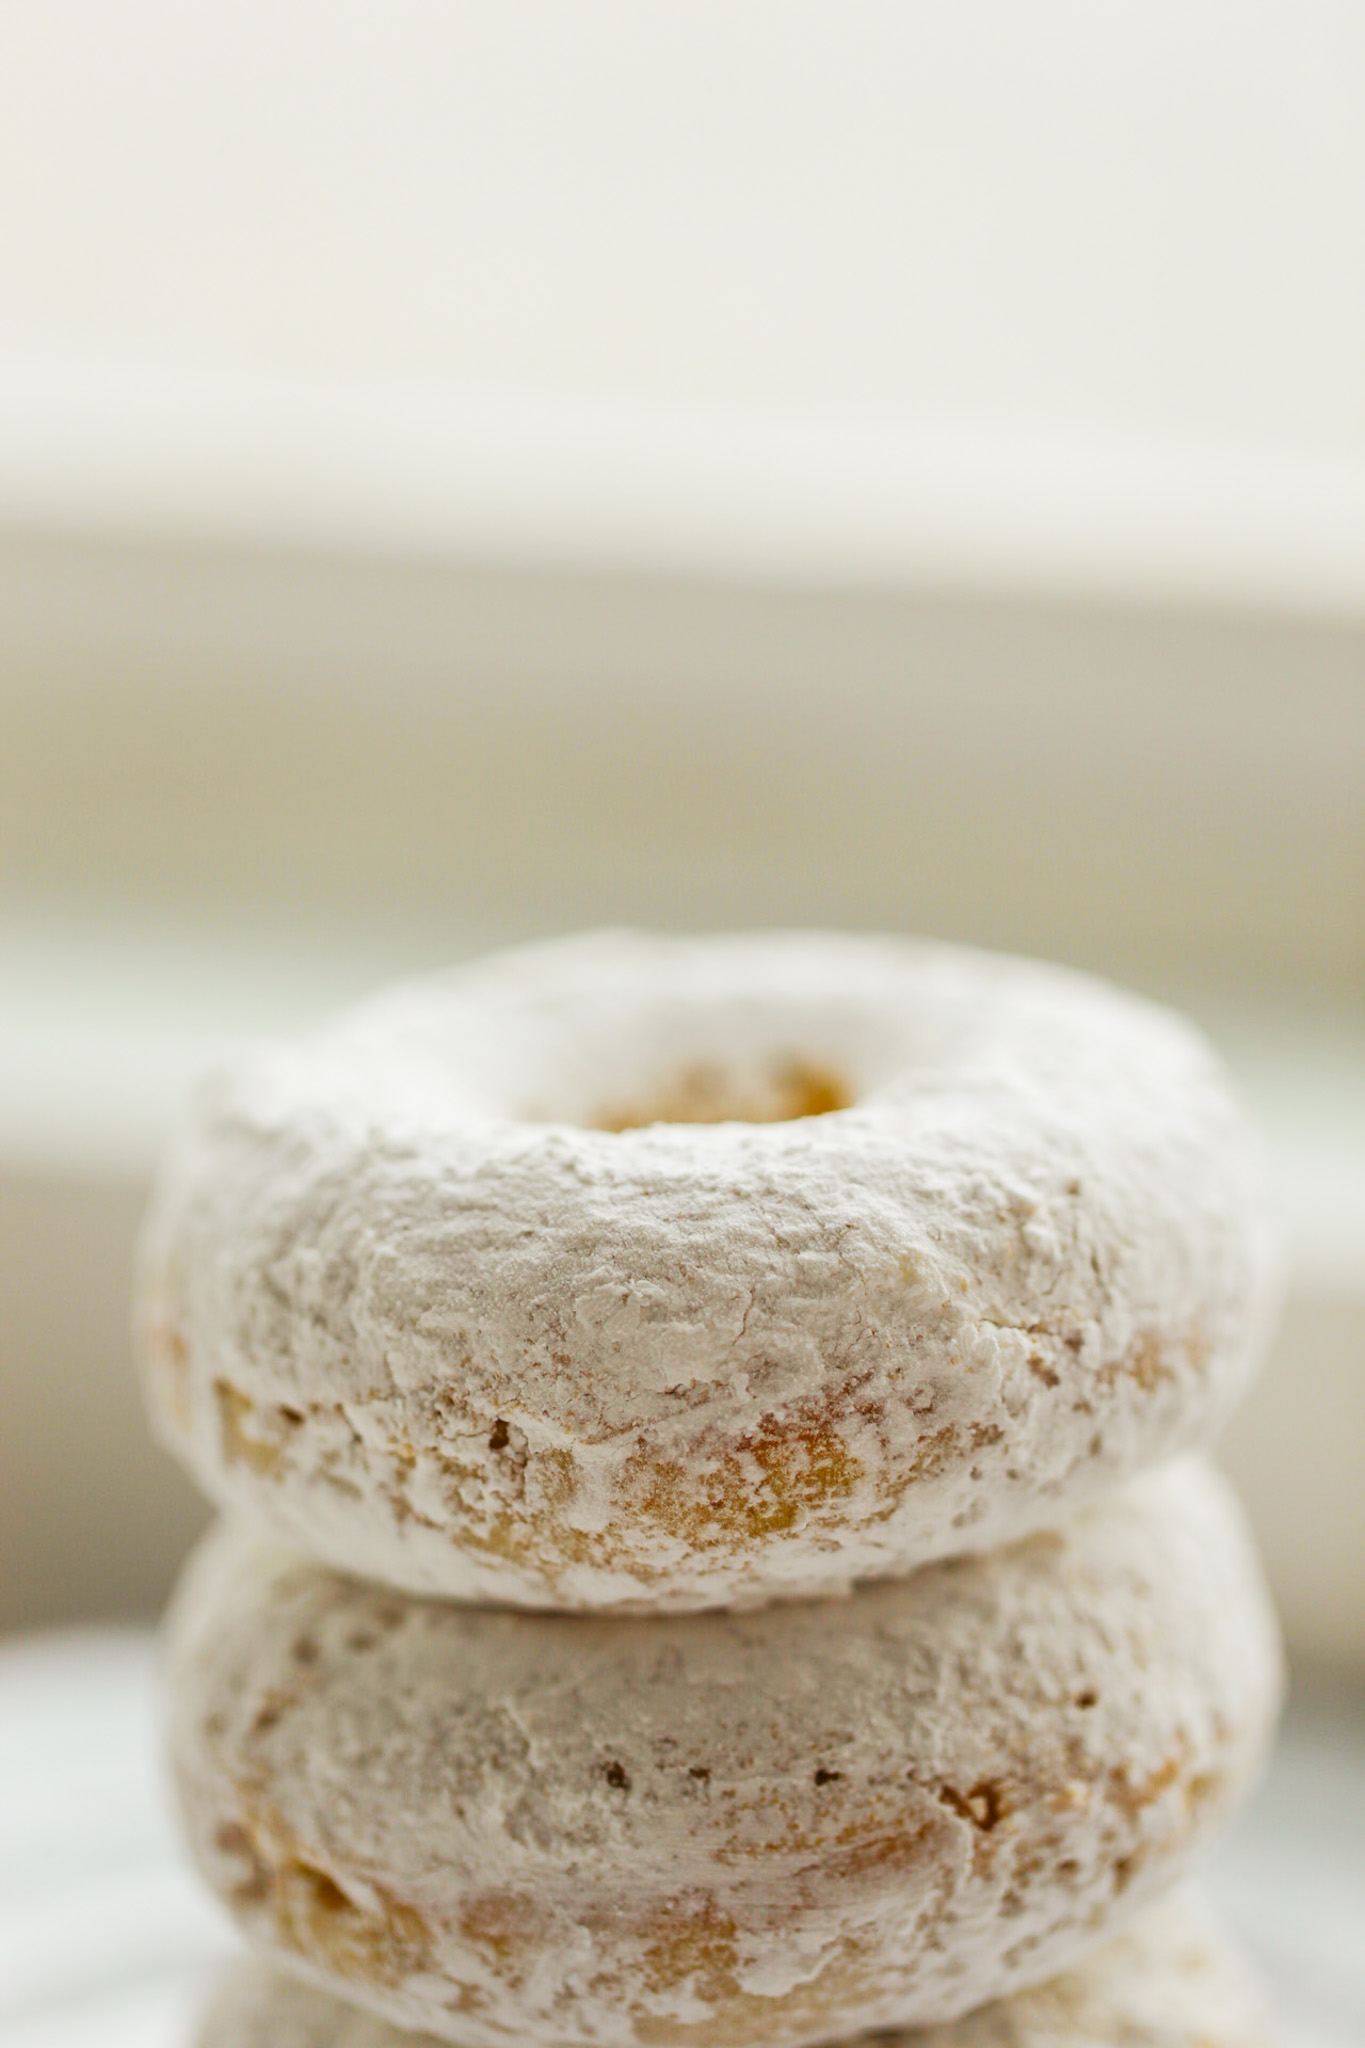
(748, 1830)
(1171, 1980)
(432, 1292)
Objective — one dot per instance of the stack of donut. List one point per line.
(717, 1550)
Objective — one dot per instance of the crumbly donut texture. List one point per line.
(748, 1830)
(1171, 1980)
(944, 1244)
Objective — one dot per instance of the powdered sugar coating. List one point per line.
(1171, 1980)
(730, 1830)
(406, 1296)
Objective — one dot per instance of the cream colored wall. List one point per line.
(1130, 218)
(236, 786)
(92, 1518)
(421, 755)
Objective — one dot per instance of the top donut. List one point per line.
(647, 1273)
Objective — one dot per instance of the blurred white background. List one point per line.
(471, 471)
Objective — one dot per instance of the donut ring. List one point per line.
(745, 1830)
(945, 1244)
(1172, 1980)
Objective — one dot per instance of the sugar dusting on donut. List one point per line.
(1171, 1980)
(634, 1273)
(765, 1829)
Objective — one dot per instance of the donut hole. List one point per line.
(707, 1092)
(617, 1035)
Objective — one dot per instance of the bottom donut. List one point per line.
(758, 1830)
(1172, 1980)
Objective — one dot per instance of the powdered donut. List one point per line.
(729, 1830)
(1172, 1980)
(432, 1291)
